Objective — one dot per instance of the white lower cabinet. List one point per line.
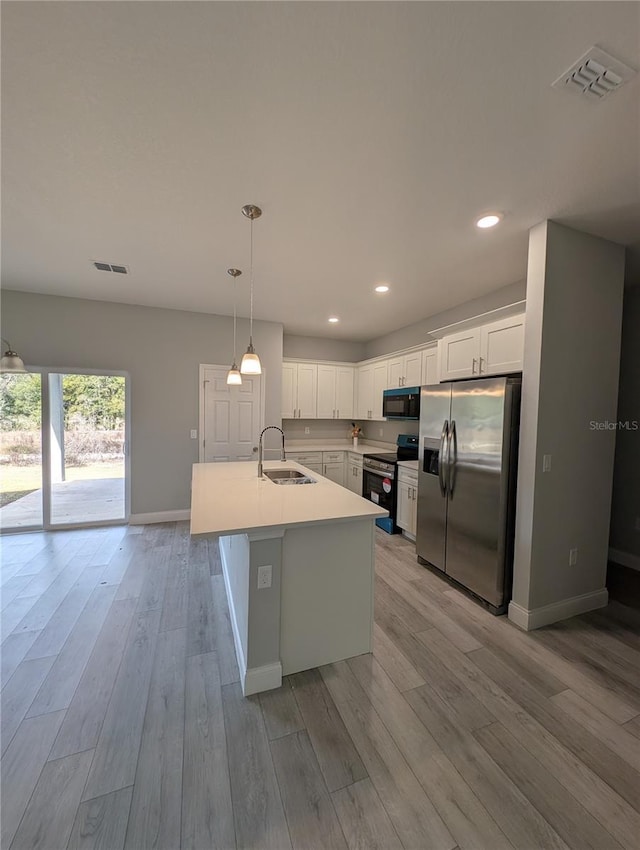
(334, 472)
(354, 473)
(312, 460)
(330, 464)
(407, 510)
(333, 466)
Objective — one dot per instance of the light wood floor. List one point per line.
(123, 724)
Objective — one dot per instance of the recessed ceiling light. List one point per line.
(333, 319)
(382, 288)
(489, 220)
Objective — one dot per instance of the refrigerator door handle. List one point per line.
(452, 461)
(441, 461)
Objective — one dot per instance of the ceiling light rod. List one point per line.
(233, 375)
(11, 363)
(250, 364)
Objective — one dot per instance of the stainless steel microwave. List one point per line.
(401, 403)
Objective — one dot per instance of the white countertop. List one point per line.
(229, 498)
(409, 464)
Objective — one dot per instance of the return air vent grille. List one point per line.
(111, 267)
(595, 75)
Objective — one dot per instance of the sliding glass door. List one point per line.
(21, 477)
(64, 443)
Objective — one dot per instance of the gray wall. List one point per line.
(625, 513)
(316, 348)
(418, 333)
(570, 379)
(161, 350)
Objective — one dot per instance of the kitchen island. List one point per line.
(310, 547)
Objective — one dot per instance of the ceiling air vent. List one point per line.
(111, 267)
(595, 75)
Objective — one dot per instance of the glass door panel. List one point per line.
(87, 448)
(20, 451)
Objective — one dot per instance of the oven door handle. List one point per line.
(442, 464)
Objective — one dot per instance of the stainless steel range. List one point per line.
(379, 472)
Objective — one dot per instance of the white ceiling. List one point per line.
(370, 133)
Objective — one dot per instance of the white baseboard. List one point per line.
(624, 558)
(538, 617)
(258, 679)
(159, 516)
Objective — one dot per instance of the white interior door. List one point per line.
(231, 417)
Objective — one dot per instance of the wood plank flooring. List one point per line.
(124, 726)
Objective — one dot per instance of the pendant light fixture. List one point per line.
(251, 362)
(233, 375)
(11, 363)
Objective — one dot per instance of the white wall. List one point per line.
(161, 350)
(570, 380)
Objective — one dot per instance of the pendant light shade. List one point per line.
(234, 378)
(250, 364)
(11, 363)
(250, 361)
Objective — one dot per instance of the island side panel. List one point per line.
(327, 594)
(234, 554)
(264, 670)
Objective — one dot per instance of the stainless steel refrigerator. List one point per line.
(467, 483)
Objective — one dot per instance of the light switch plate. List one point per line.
(546, 463)
(194, 434)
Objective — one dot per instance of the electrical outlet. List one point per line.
(307, 430)
(381, 432)
(573, 557)
(264, 576)
(546, 463)
(194, 434)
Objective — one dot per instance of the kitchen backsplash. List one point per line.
(340, 429)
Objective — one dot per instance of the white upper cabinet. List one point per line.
(492, 349)
(345, 392)
(430, 371)
(396, 371)
(335, 392)
(299, 390)
(502, 346)
(372, 381)
(405, 370)
(460, 355)
(380, 384)
(365, 392)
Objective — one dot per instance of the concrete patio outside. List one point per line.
(90, 500)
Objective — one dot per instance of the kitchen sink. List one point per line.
(288, 476)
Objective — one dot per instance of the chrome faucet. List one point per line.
(261, 450)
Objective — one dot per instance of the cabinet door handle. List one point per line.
(338, 414)
(473, 366)
(481, 359)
